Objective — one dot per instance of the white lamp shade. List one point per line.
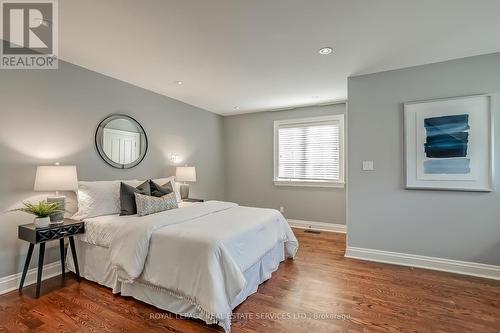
(185, 174)
(56, 178)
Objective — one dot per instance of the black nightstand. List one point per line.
(193, 200)
(33, 235)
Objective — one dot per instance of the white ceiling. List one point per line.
(263, 54)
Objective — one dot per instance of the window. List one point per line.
(309, 152)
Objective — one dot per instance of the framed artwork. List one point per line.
(448, 144)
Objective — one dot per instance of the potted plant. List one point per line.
(42, 211)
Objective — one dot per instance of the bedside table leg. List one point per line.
(26, 265)
(40, 268)
(75, 259)
(63, 257)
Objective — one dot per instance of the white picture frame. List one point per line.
(449, 144)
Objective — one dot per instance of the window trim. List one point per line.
(311, 183)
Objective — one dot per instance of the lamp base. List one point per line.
(184, 191)
(58, 217)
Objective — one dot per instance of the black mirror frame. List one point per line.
(99, 135)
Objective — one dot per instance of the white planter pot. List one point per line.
(42, 222)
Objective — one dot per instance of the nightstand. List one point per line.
(193, 200)
(33, 235)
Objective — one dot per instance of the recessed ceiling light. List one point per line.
(325, 50)
(180, 83)
(236, 108)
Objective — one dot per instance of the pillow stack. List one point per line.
(119, 197)
(147, 198)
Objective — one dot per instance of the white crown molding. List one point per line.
(320, 226)
(11, 282)
(438, 264)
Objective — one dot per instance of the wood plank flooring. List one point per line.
(348, 295)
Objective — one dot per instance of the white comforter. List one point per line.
(199, 253)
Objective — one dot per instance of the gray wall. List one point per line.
(51, 115)
(383, 215)
(249, 158)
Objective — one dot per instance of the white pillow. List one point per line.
(176, 186)
(99, 198)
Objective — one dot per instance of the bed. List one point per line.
(199, 261)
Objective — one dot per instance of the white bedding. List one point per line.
(100, 230)
(197, 253)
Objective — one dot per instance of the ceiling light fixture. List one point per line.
(325, 50)
(179, 83)
(236, 108)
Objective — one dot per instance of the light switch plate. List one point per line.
(368, 166)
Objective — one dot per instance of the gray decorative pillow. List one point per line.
(160, 190)
(127, 199)
(147, 205)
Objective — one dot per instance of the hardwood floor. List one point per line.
(365, 297)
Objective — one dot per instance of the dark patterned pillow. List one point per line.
(160, 190)
(147, 205)
(127, 198)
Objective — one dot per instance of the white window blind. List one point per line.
(309, 150)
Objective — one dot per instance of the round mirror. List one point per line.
(121, 141)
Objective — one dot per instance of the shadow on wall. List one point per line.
(491, 252)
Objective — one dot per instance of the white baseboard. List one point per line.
(439, 264)
(11, 282)
(321, 226)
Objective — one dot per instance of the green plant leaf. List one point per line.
(40, 209)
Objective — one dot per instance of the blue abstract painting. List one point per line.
(448, 144)
(447, 140)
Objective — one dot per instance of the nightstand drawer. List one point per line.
(30, 233)
(43, 235)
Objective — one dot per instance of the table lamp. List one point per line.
(185, 174)
(56, 178)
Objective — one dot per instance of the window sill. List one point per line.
(309, 184)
